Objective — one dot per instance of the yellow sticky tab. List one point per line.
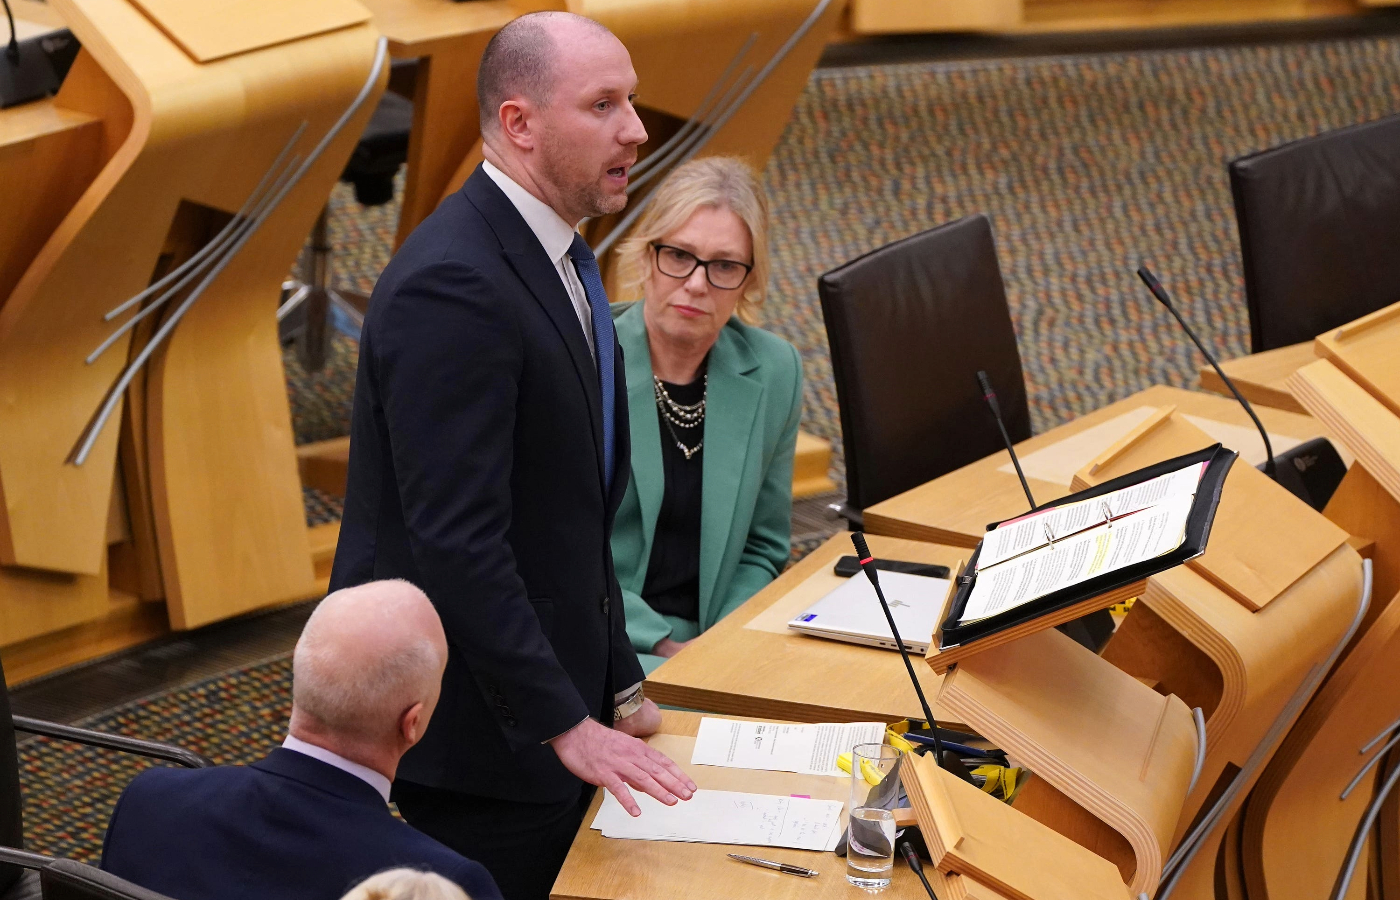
(870, 772)
(843, 762)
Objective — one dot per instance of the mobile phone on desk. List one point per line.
(847, 566)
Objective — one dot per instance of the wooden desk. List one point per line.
(1261, 376)
(600, 868)
(956, 508)
(750, 664)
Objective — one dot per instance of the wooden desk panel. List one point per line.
(956, 508)
(751, 665)
(1261, 376)
(600, 868)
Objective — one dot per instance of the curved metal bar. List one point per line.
(606, 244)
(153, 749)
(221, 240)
(1176, 865)
(700, 133)
(1363, 830)
(1199, 717)
(208, 248)
(700, 111)
(89, 437)
(1380, 737)
(1351, 786)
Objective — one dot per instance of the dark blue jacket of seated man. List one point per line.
(288, 827)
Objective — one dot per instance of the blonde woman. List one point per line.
(713, 402)
(406, 884)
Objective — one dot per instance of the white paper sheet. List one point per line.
(808, 749)
(1040, 529)
(727, 817)
(1139, 536)
(1243, 439)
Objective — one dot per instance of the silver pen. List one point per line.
(769, 864)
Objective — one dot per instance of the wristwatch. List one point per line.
(630, 705)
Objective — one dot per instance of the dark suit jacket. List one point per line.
(286, 828)
(476, 472)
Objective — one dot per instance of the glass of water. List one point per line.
(874, 791)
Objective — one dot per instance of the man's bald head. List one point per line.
(520, 60)
(367, 655)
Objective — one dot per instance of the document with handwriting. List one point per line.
(808, 749)
(727, 817)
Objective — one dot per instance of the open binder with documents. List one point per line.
(1082, 552)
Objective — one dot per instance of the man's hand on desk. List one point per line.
(667, 648)
(611, 759)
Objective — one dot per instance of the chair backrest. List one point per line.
(909, 325)
(1319, 223)
(11, 804)
(66, 879)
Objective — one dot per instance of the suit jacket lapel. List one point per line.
(732, 405)
(523, 252)
(647, 473)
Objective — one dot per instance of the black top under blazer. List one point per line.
(288, 827)
(476, 473)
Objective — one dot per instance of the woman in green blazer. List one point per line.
(714, 404)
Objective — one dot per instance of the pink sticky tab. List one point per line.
(801, 796)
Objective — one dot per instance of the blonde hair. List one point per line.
(406, 884)
(721, 182)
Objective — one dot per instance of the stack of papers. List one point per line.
(807, 749)
(1027, 558)
(727, 817)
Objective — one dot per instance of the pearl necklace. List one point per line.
(681, 415)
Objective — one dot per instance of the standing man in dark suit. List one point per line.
(489, 453)
(311, 820)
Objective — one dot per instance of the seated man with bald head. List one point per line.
(311, 819)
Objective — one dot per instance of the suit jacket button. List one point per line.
(605, 604)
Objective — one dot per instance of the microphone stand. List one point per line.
(1160, 293)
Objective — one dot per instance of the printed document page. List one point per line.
(1134, 538)
(808, 749)
(727, 817)
(1034, 530)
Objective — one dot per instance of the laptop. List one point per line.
(852, 612)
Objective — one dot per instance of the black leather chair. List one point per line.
(909, 325)
(304, 315)
(67, 879)
(1319, 223)
(11, 798)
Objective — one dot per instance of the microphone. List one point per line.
(867, 562)
(991, 397)
(914, 863)
(1160, 293)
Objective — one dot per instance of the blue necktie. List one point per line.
(586, 264)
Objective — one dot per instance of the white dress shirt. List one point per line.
(555, 236)
(364, 773)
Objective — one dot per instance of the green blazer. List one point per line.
(751, 416)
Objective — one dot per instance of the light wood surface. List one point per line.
(1262, 377)
(1298, 826)
(969, 832)
(1106, 741)
(1365, 425)
(214, 29)
(1368, 351)
(905, 16)
(811, 465)
(751, 664)
(600, 868)
(1263, 538)
(956, 508)
(1362, 506)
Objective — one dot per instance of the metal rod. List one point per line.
(208, 248)
(613, 236)
(700, 111)
(89, 437)
(704, 128)
(222, 240)
(1346, 792)
(1199, 717)
(1363, 830)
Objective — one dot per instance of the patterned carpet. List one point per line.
(1086, 166)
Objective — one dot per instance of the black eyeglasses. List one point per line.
(725, 274)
